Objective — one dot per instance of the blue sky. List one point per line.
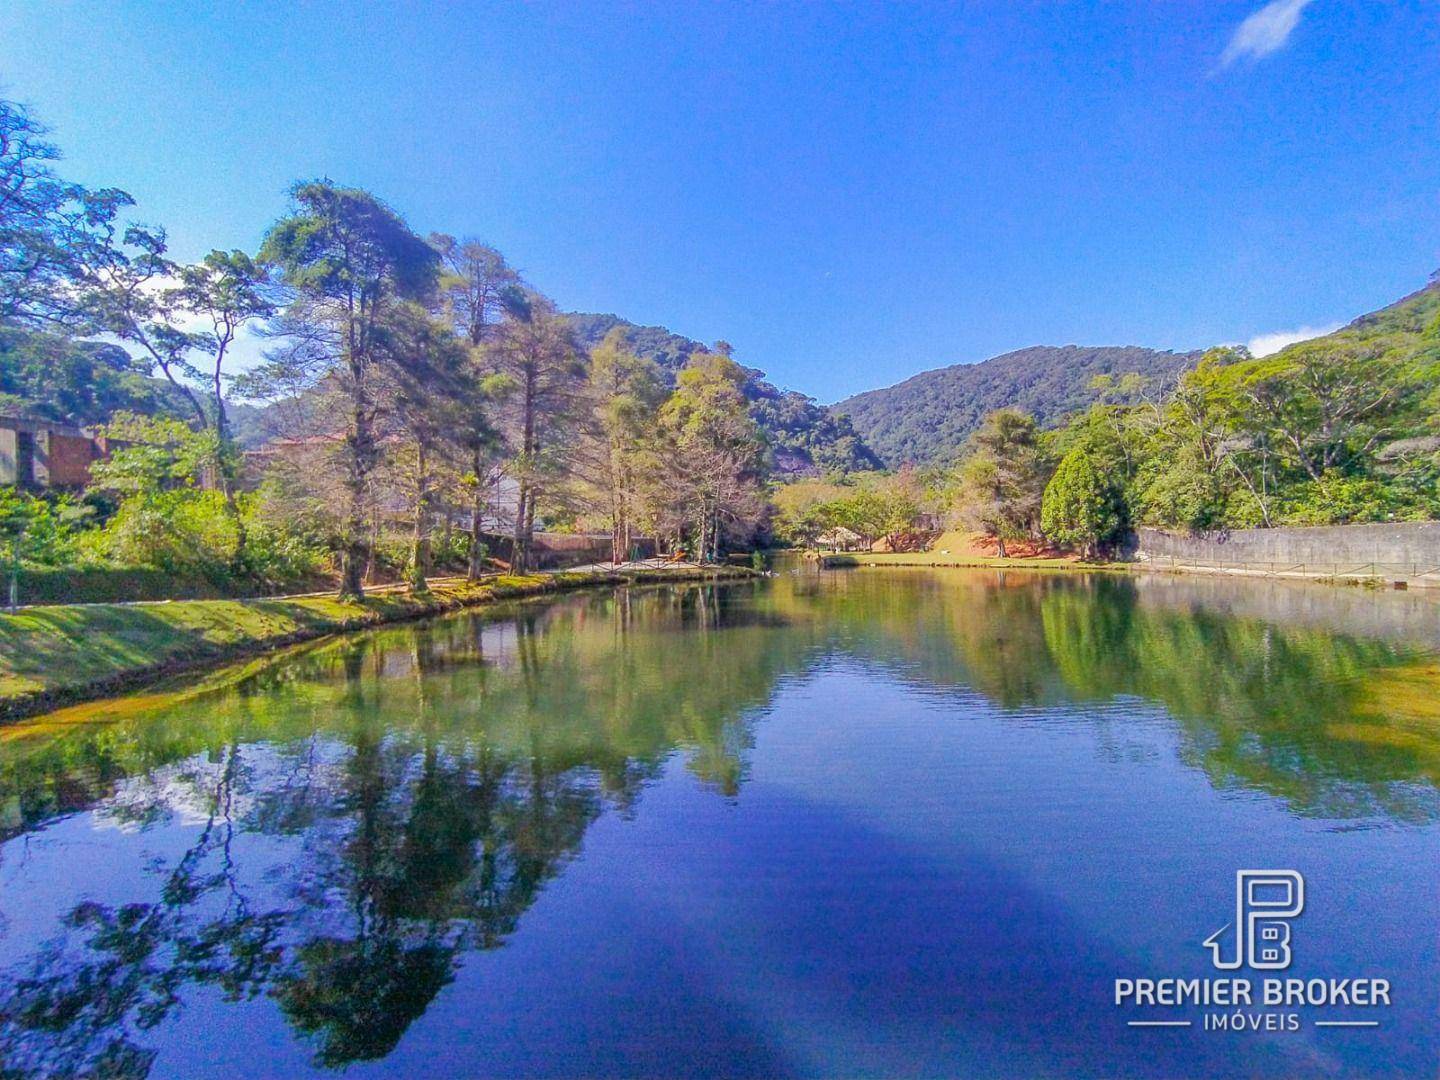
(849, 194)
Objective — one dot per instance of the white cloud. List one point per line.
(248, 349)
(245, 352)
(1265, 344)
(1264, 31)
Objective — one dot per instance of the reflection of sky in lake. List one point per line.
(806, 830)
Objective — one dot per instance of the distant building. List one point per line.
(42, 454)
(841, 539)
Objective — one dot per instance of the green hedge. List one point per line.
(121, 584)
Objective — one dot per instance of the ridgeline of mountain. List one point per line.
(926, 418)
(669, 350)
(1411, 324)
(807, 437)
(50, 377)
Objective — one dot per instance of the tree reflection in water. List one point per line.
(355, 818)
(432, 779)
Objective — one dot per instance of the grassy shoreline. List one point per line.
(64, 654)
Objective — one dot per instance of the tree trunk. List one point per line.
(519, 550)
(530, 530)
(525, 504)
(354, 549)
(200, 414)
(227, 477)
(1000, 547)
(420, 539)
(617, 510)
(477, 519)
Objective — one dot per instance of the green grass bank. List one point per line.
(59, 655)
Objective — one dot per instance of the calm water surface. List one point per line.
(865, 822)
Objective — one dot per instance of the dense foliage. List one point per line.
(1337, 430)
(804, 437)
(1002, 480)
(926, 419)
(49, 376)
(897, 509)
(1082, 507)
(420, 405)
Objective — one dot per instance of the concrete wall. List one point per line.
(10, 457)
(1414, 543)
(66, 458)
(58, 455)
(556, 551)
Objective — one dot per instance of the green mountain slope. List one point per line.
(806, 437)
(1411, 325)
(927, 417)
(47, 377)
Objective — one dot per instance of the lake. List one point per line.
(873, 822)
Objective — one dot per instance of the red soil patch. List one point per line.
(976, 545)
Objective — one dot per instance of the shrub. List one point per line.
(283, 546)
(452, 553)
(1082, 508)
(185, 530)
(38, 530)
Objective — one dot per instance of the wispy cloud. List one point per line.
(1265, 344)
(1264, 32)
(245, 352)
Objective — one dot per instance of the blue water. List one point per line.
(893, 823)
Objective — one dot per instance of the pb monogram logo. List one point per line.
(1265, 902)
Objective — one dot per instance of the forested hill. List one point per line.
(48, 377)
(669, 350)
(805, 436)
(927, 417)
(1411, 324)
(75, 382)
